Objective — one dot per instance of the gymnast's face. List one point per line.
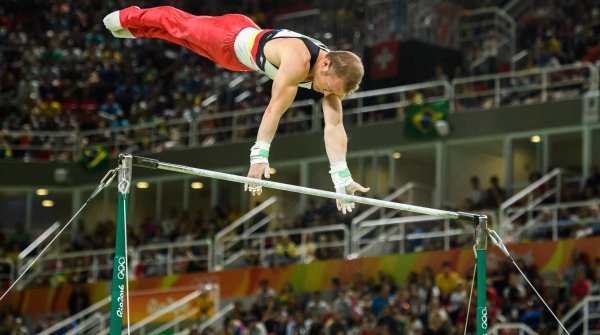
(327, 82)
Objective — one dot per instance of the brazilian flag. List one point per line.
(95, 158)
(421, 118)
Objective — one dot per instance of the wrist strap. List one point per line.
(259, 153)
(340, 174)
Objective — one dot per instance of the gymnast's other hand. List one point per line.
(257, 171)
(347, 206)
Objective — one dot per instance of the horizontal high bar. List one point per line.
(158, 165)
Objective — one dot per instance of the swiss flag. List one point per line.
(384, 60)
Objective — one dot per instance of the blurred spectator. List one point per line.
(457, 299)
(285, 251)
(476, 198)
(308, 250)
(317, 307)
(168, 223)
(438, 322)
(181, 260)
(238, 311)
(80, 238)
(592, 183)
(447, 280)
(206, 305)
(414, 325)
(323, 249)
(428, 292)
(513, 295)
(20, 238)
(595, 282)
(263, 294)
(286, 296)
(414, 244)
(381, 299)
(6, 151)
(79, 299)
(154, 263)
(255, 327)
(495, 194)
(581, 286)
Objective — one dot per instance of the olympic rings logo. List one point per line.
(121, 268)
(484, 318)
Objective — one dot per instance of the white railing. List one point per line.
(174, 324)
(92, 325)
(583, 318)
(550, 223)
(98, 264)
(84, 314)
(487, 25)
(177, 305)
(521, 328)
(223, 249)
(359, 109)
(95, 264)
(407, 192)
(165, 258)
(43, 145)
(527, 86)
(424, 233)
(523, 205)
(518, 8)
(220, 315)
(235, 249)
(39, 240)
(264, 245)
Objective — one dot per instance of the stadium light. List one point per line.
(142, 185)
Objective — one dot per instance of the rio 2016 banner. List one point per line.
(148, 302)
(548, 256)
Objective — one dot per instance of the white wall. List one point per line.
(482, 159)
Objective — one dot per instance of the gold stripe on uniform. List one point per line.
(251, 43)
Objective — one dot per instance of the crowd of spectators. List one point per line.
(552, 32)
(61, 71)
(572, 218)
(427, 303)
(176, 227)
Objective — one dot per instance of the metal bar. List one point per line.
(174, 322)
(172, 307)
(509, 202)
(398, 220)
(74, 317)
(218, 316)
(430, 235)
(362, 216)
(155, 164)
(39, 240)
(231, 227)
(288, 232)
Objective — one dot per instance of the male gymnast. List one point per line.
(290, 59)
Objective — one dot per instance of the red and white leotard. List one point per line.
(233, 41)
